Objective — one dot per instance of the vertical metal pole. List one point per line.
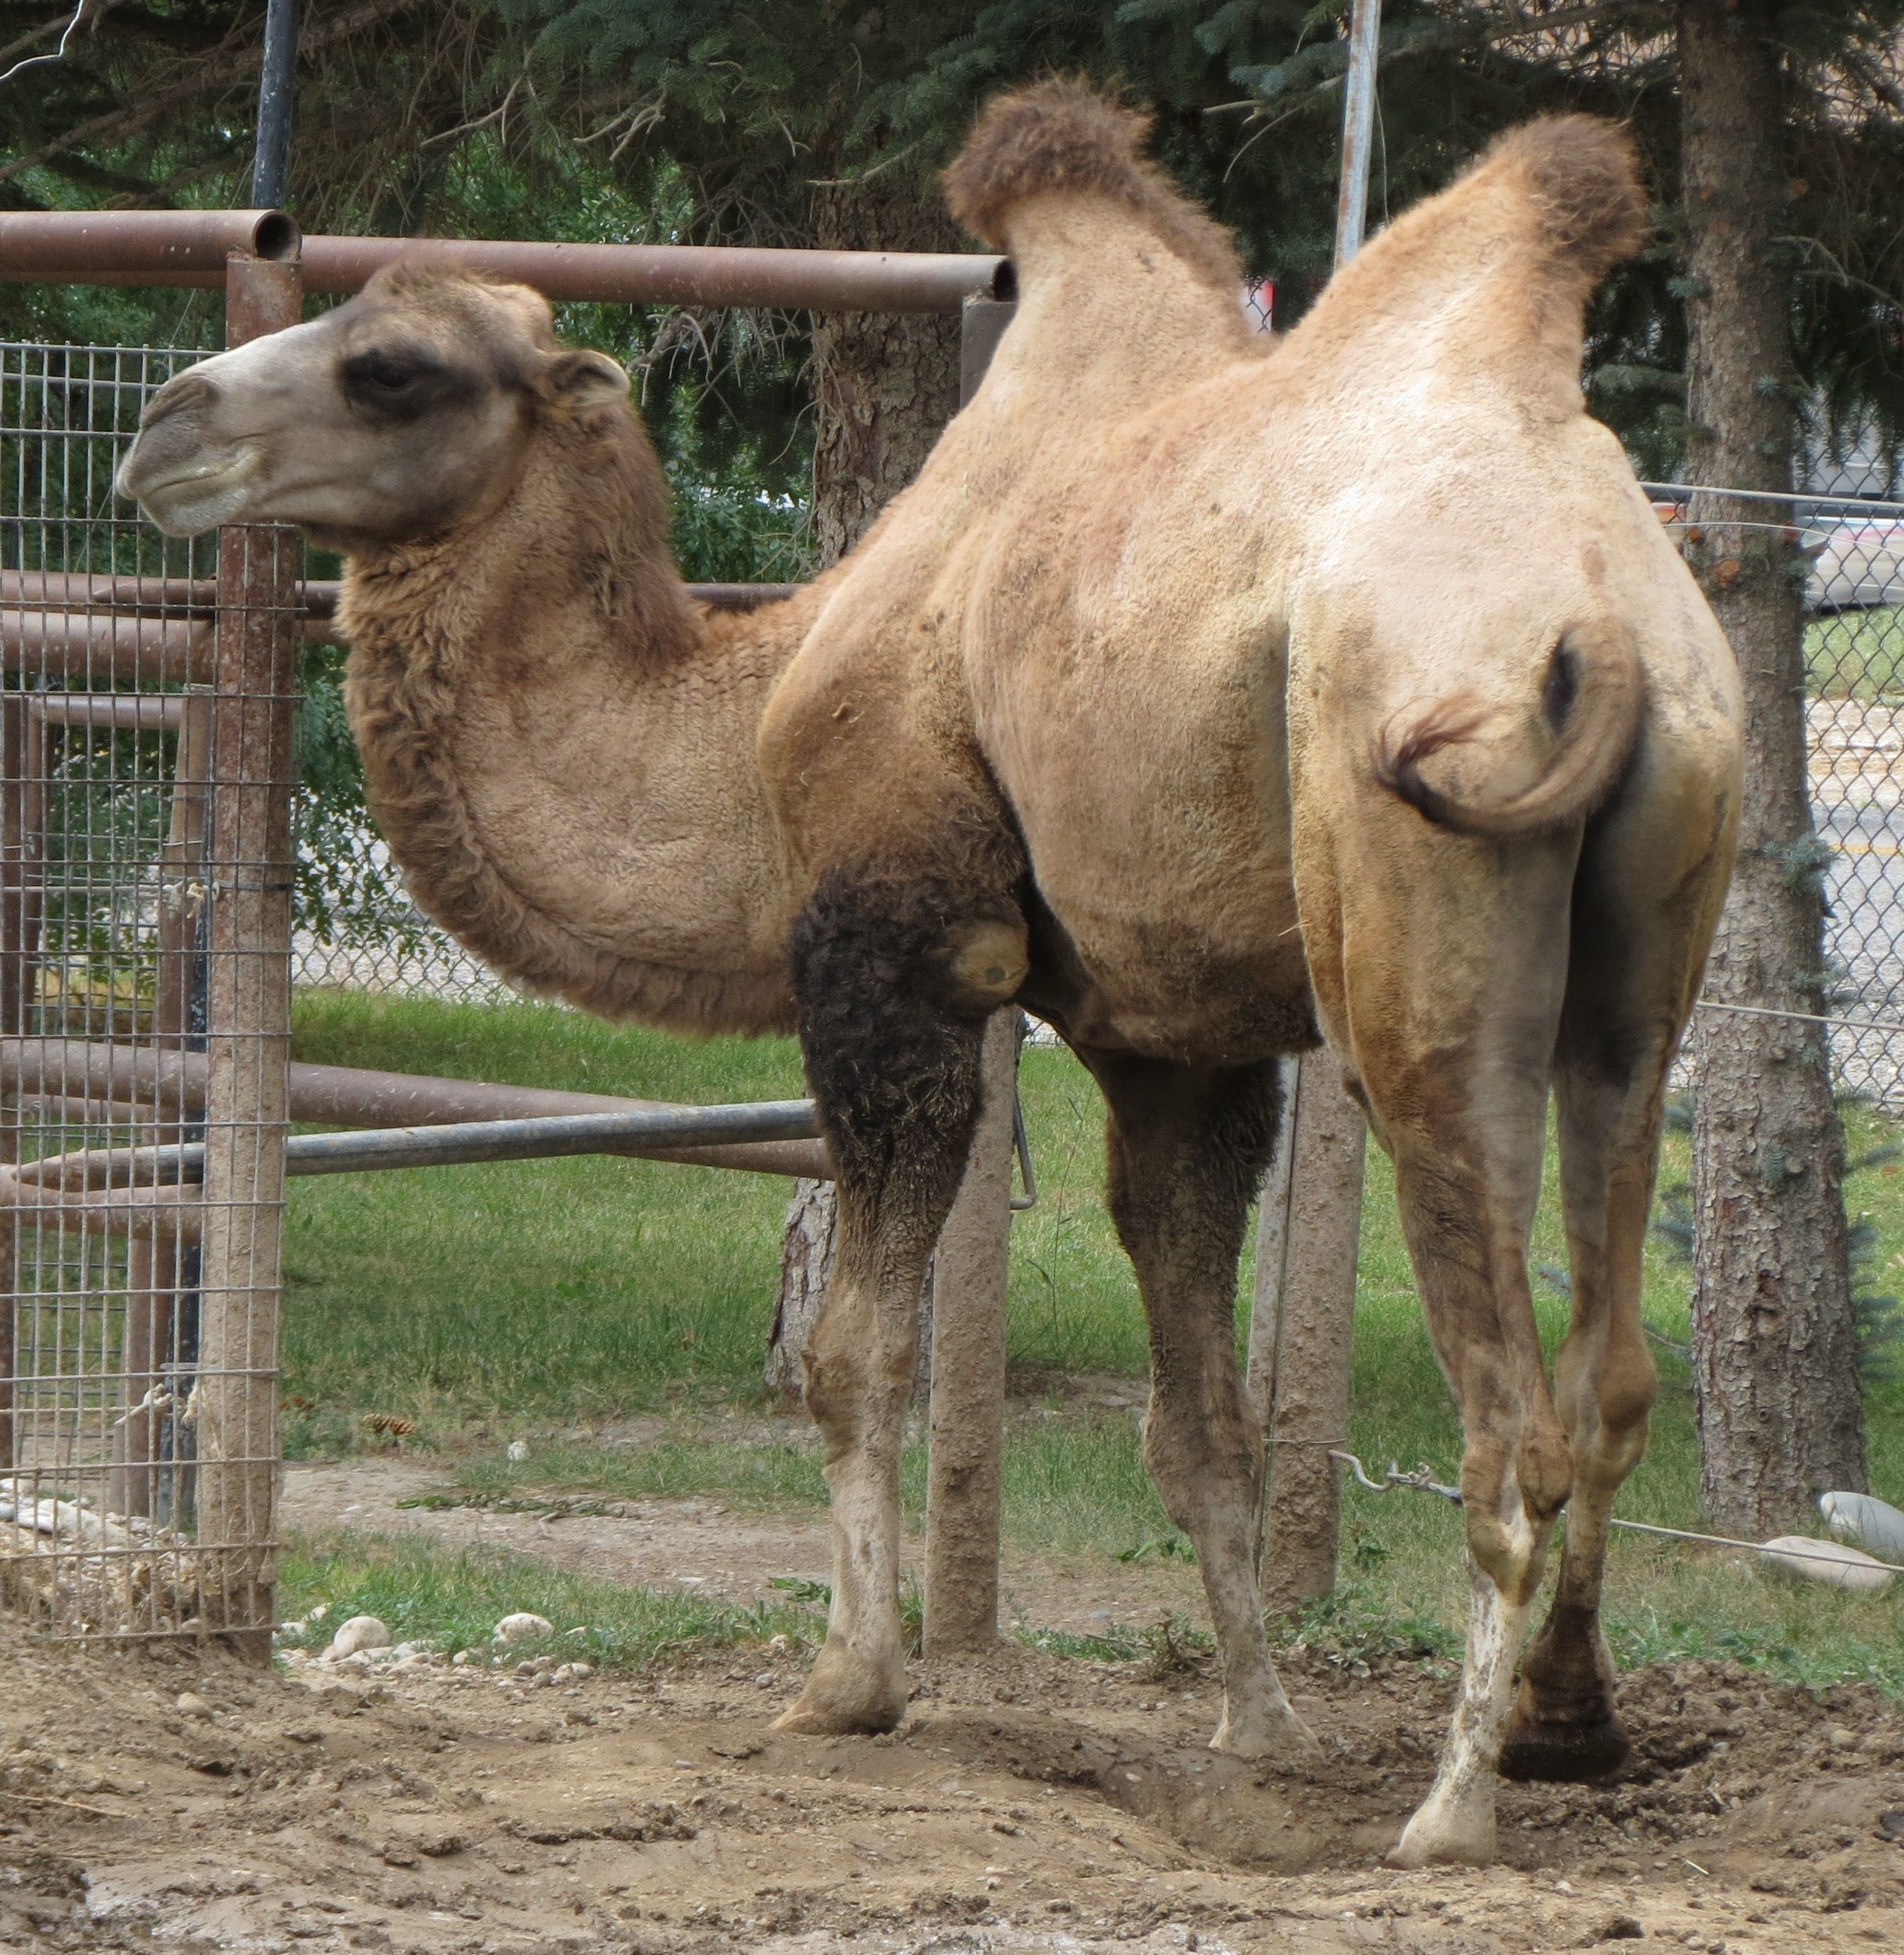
(1303, 1319)
(249, 868)
(966, 1425)
(271, 164)
(1358, 128)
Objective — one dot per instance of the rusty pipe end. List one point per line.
(274, 234)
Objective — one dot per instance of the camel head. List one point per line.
(406, 413)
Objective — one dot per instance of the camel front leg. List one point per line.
(1188, 1148)
(891, 1031)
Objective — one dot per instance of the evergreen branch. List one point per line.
(207, 78)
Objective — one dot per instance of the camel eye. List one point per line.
(386, 379)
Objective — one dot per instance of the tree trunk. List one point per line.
(884, 384)
(1774, 1342)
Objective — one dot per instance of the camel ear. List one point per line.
(580, 382)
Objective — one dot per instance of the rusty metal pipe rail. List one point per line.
(138, 247)
(192, 248)
(455, 1144)
(69, 599)
(105, 648)
(173, 1082)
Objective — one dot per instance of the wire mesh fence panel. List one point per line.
(138, 1389)
(1854, 658)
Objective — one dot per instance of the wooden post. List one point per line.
(22, 865)
(249, 871)
(153, 1257)
(1301, 1330)
(1309, 1290)
(966, 1428)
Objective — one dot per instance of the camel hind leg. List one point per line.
(895, 979)
(1440, 967)
(1640, 939)
(1188, 1149)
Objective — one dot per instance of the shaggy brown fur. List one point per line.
(1064, 138)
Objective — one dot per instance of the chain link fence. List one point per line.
(1854, 660)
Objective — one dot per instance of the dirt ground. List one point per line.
(1027, 1803)
(704, 1545)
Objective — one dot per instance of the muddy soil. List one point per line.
(1029, 1803)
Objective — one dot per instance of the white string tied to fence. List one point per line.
(1420, 1481)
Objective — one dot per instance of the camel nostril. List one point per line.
(188, 390)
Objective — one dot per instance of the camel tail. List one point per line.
(1065, 137)
(1588, 721)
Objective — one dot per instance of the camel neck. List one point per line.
(559, 745)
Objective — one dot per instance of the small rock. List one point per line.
(1830, 1562)
(764, 1680)
(1841, 1738)
(1623, 1928)
(580, 1669)
(360, 1632)
(461, 1659)
(191, 1705)
(519, 1450)
(521, 1627)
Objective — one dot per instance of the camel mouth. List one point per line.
(187, 499)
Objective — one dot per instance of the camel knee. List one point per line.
(1508, 1507)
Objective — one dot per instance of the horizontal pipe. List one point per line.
(127, 711)
(455, 1145)
(103, 1212)
(351, 1095)
(137, 247)
(105, 649)
(191, 248)
(682, 274)
(180, 599)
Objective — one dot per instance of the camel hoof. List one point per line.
(846, 1696)
(1441, 1835)
(803, 1720)
(1281, 1737)
(1571, 1753)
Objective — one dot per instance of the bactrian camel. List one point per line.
(1194, 697)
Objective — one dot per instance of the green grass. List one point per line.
(1856, 654)
(453, 1599)
(533, 1291)
(527, 1297)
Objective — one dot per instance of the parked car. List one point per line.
(1859, 563)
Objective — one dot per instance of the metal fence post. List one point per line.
(966, 1426)
(249, 871)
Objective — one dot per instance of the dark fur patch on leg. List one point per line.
(892, 1050)
(1183, 1141)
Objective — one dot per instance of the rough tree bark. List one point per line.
(884, 384)
(1775, 1344)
